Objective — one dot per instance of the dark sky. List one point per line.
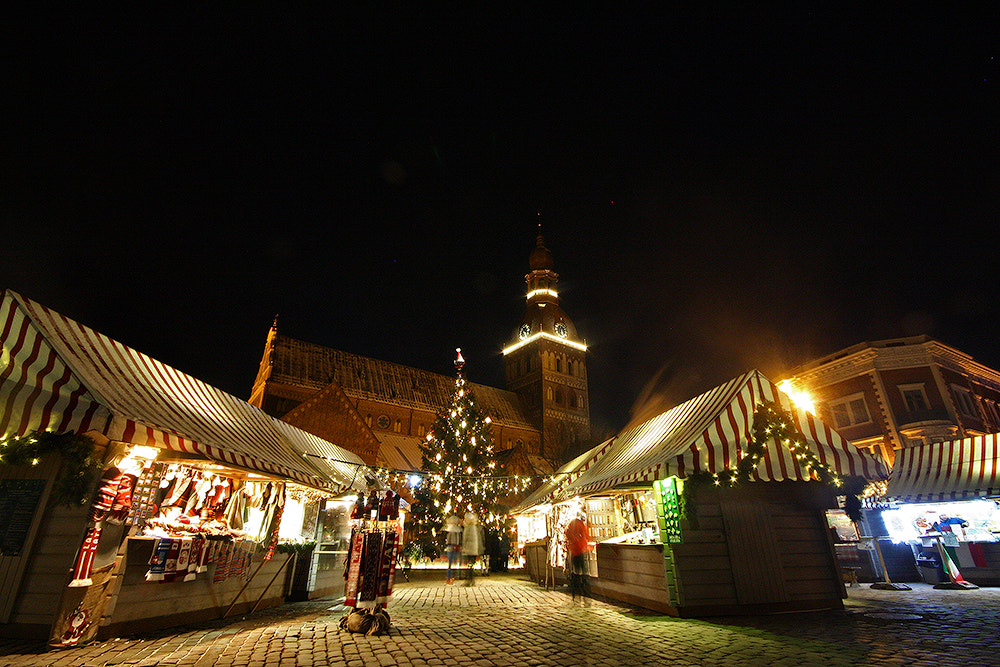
(721, 189)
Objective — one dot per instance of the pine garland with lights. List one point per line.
(78, 472)
(460, 471)
(771, 421)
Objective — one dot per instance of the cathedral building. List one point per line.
(546, 363)
(382, 411)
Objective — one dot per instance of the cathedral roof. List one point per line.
(308, 365)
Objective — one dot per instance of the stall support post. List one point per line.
(247, 583)
(291, 555)
(887, 584)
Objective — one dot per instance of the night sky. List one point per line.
(721, 190)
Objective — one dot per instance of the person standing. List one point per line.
(453, 548)
(472, 544)
(578, 546)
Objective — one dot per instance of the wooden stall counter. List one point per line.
(632, 573)
(138, 605)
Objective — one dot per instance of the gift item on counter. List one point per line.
(389, 509)
(359, 508)
(111, 503)
(85, 557)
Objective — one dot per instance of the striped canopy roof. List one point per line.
(548, 491)
(711, 433)
(58, 375)
(951, 470)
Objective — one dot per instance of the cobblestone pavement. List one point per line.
(508, 620)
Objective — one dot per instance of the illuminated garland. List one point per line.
(772, 422)
(77, 472)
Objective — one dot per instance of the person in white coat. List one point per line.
(453, 530)
(473, 543)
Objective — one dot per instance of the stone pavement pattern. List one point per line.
(508, 620)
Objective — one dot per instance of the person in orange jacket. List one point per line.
(578, 546)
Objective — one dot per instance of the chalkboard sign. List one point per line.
(19, 499)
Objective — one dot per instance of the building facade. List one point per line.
(546, 363)
(382, 411)
(892, 394)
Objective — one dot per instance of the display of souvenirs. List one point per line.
(111, 505)
(371, 568)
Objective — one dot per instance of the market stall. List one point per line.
(537, 520)
(943, 504)
(181, 519)
(718, 546)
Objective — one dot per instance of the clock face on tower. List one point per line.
(560, 329)
(524, 332)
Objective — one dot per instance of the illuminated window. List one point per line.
(965, 401)
(569, 367)
(994, 411)
(850, 411)
(914, 397)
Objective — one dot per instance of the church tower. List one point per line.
(546, 363)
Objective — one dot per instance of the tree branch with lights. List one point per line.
(772, 422)
(78, 469)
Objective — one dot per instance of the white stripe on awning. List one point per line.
(145, 401)
(550, 489)
(950, 470)
(38, 391)
(711, 433)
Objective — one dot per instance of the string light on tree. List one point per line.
(460, 462)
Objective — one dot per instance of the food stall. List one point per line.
(740, 516)
(942, 502)
(143, 497)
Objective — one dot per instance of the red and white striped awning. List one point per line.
(952, 470)
(58, 375)
(711, 433)
(549, 491)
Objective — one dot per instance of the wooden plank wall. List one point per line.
(50, 566)
(143, 606)
(633, 573)
(12, 568)
(765, 545)
(754, 551)
(701, 563)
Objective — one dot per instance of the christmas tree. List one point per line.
(461, 472)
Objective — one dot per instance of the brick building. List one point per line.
(382, 410)
(887, 395)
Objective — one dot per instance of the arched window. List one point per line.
(569, 367)
(558, 365)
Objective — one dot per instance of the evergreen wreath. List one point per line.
(78, 472)
(770, 420)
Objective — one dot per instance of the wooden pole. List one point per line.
(881, 561)
(291, 555)
(244, 588)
